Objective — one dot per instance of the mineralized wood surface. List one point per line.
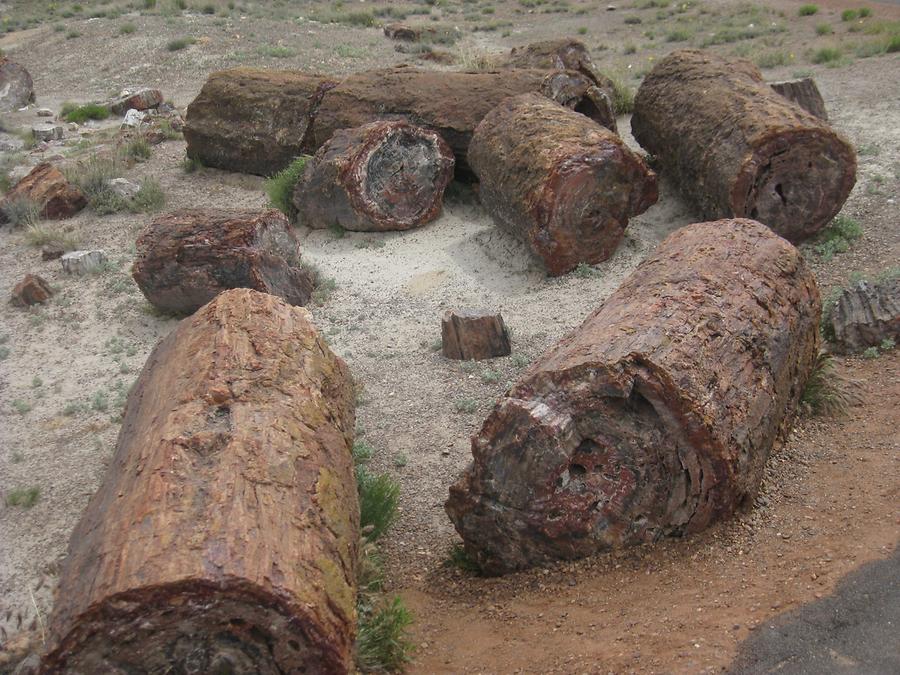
(866, 314)
(737, 148)
(804, 93)
(385, 175)
(558, 180)
(473, 335)
(655, 417)
(187, 257)
(16, 86)
(48, 188)
(223, 538)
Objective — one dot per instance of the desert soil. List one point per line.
(830, 496)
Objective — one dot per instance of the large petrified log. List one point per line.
(187, 257)
(558, 180)
(16, 86)
(653, 418)
(804, 93)
(737, 148)
(258, 121)
(385, 175)
(223, 538)
(866, 314)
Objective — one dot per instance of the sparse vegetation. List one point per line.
(623, 96)
(127, 29)
(280, 187)
(826, 392)
(457, 557)
(138, 149)
(24, 497)
(466, 405)
(190, 165)
(180, 43)
(40, 235)
(275, 51)
(82, 113)
(381, 642)
(22, 212)
(824, 29)
(808, 10)
(20, 406)
(870, 353)
(827, 55)
(849, 14)
(837, 237)
(379, 495)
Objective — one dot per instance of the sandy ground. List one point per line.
(829, 501)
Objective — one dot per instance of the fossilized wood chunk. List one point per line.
(804, 93)
(378, 177)
(866, 314)
(558, 180)
(187, 257)
(656, 416)
(223, 538)
(737, 148)
(46, 186)
(32, 290)
(473, 335)
(16, 86)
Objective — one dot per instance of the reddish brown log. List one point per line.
(804, 93)
(46, 186)
(187, 257)
(866, 314)
(378, 177)
(473, 335)
(32, 290)
(402, 32)
(655, 417)
(737, 148)
(558, 180)
(224, 535)
(258, 121)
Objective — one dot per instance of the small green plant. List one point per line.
(100, 401)
(22, 212)
(870, 353)
(325, 286)
(149, 199)
(849, 14)
(24, 497)
(209, 9)
(362, 452)
(36, 382)
(400, 461)
(72, 34)
(824, 29)
(180, 43)
(808, 10)
(466, 405)
(623, 96)
(773, 59)
(20, 406)
(836, 238)
(490, 376)
(275, 51)
(519, 360)
(381, 642)
(827, 55)
(190, 165)
(80, 114)
(127, 29)
(887, 344)
(179, 4)
(585, 271)
(826, 392)
(149, 4)
(138, 149)
(280, 187)
(379, 496)
(678, 36)
(582, 30)
(632, 20)
(864, 12)
(459, 558)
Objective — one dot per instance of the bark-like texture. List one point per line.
(559, 181)
(653, 418)
(186, 258)
(804, 93)
(473, 335)
(737, 148)
(866, 314)
(258, 121)
(378, 177)
(32, 290)
(253, 121)
(46, 186)
(16, 86)
(224, 536)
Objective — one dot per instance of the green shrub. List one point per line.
(864, 12)
(24, 497)
(824, 29)
(280, 187)
(849, 14)
(808, 10)
(22, 212)
(138, 149)
(209, 9)
(772, 59)
(379, 496)
(826, 393)
(381, 641)
(275, 51)
(827, 55)
(870, 353)
(623, 96)
(149, 198)
(179, 43)
(127, 29)
(82, 113)
(893, 44)
(836, 238)
(678, 36)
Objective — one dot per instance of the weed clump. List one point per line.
(280, 187)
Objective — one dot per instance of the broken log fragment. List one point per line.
(402, 32)
(737, 148)
(32, 290)
(378, 177)
(656, 416)
(224, 535)
(186, 258)
(50, 191)
(473, 335)
(559, 181)
(866, 314)
(804, 93)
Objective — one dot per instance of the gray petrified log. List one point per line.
(866, 314)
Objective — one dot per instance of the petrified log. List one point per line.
(866, 314)
(223, 537)
(737, 148)
(402, 31)
(186, 258)
(136, 99)
(32, 290)
(378, 177)
(558, 180)
(46, 186)
(16, 86)
(259, 121)
(653, 418)
(804, 93)
(83, 262)
(473, 335)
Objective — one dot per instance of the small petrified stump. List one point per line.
(737, 148)
(473, 335)
(804, 93)
(84, 262)
(32, 290)
(559, 181)
(374, 178)
(46, 186)
(867, 314)
(223, 537)
(656, 416)
(186, 258)
(16, 86)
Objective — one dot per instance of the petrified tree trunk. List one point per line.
(16, 86)
(377, 177)
(653, 418)
(467, 335)
(187, 257)
(258, 121)
(737, 148)
(866, 314)
(223, 537)
(253, 121)
(804, 93)
(559, 181)
(47, 187)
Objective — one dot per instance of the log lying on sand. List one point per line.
(224, 536)
(258, 121)
(653, 418)
(559, 181)
(187, 257)
(737, 148)
(378, 177)
(804, 93)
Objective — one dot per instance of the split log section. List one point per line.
(374, 178)
(735, 147)
(557, 180)
(224, 535)
(656, 416)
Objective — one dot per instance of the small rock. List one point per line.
(83, 262)
(16, 87)
(866, 314)
(52, 252)
(46, 185)
(134, 118)
(47, 131)
(123, 188)
(32, 290)
(44, 112)
(136, 99)
(402, 31)
(474, 335)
